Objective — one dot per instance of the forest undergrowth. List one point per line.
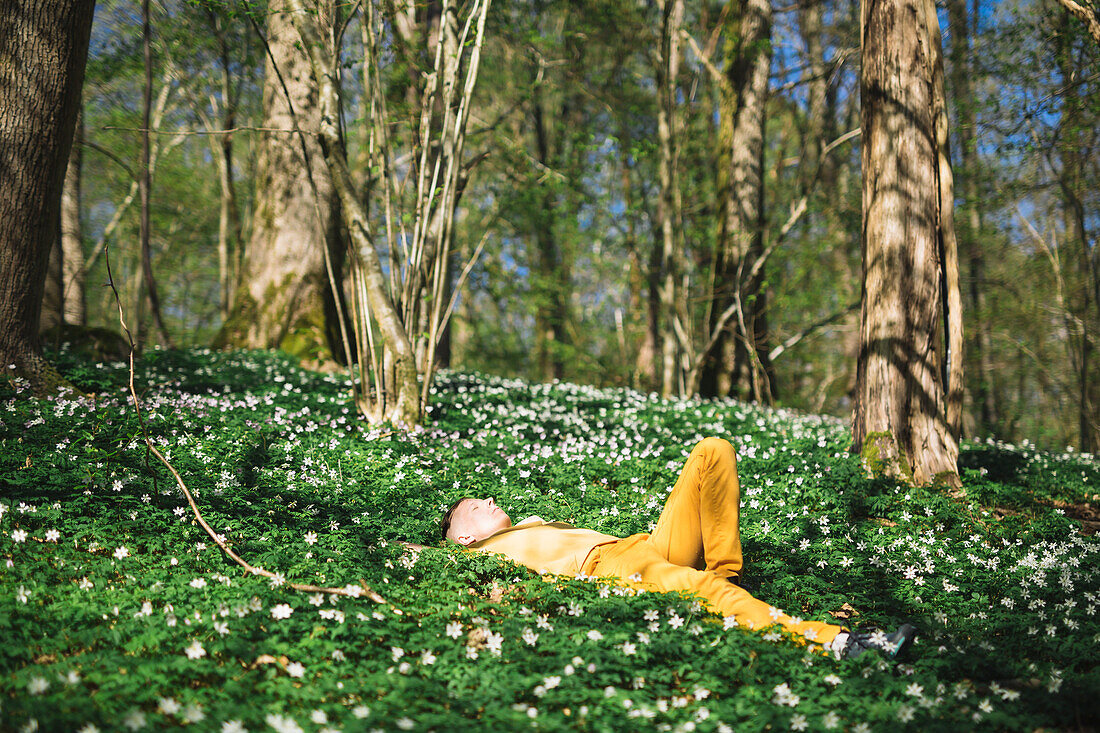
(118, 612)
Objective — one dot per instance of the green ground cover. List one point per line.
(118, 613)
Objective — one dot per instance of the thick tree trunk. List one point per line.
(901, 421)
(285, 300)
(738, 362)
(44, 46)
(971, 241)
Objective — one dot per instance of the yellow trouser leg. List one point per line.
(698, 527)
(636, 561)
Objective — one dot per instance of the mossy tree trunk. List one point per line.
(909, 370)
(284, 300)
(43, 47)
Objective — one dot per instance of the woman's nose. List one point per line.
(491, 502)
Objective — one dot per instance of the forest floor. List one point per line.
(118, 612)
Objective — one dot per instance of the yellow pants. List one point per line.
(696, 546)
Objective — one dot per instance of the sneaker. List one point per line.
(891, 645)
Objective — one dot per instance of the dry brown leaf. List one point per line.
(845, 612)
(476, 638)
(268, 659)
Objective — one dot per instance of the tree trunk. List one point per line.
(647, 355)
(229, 220)
(668, 65)
(738, 362)
(147, 180)
(72, 235)
(63, 299)
(1085, 297)
(825, 177)
(901, 421)
(643, 283)
(53, 299)
(285, 300)
(404, 405)
(44, 46)
(971, 241)
(552, 281)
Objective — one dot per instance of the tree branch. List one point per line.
(809, 330)
(1087, 14)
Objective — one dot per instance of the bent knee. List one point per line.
(718, 447)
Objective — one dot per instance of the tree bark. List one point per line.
(643, 275)
(72, 235)
(404, 405)
(1085, 294)
(146, 184)
(971, 241)
(738, 364)
(950, 297)
(1087, 13)
(63, 300)
(53, 299)
(285, 300)
(229, 219)
(553, 278)
(44, 45)
(901, 421)
(668, 65)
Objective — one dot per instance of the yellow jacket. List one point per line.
(545, 547)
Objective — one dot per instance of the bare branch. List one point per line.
(229, 131)
(219, 540)
(809, 330)
(1087, 14)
